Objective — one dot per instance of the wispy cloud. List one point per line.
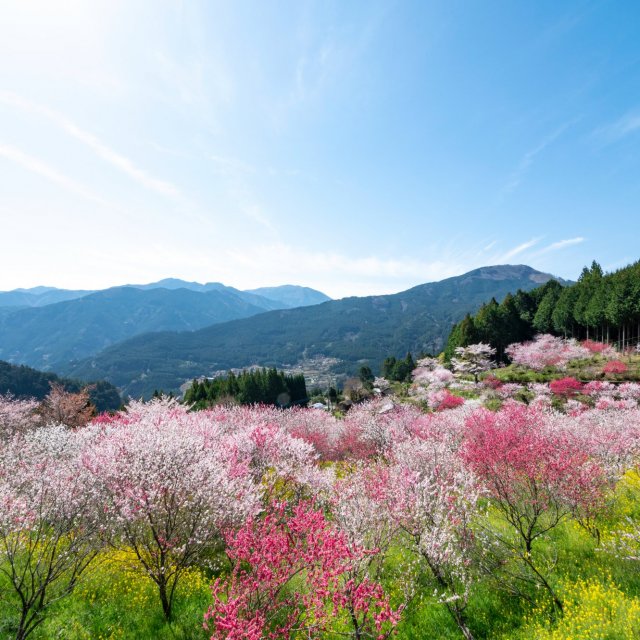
(518, 174)
(37, 166)
(624, 126)
(336, 272)
(236, 175)
(561, 244)
(521, 248)
(102, 150)
(230, 166)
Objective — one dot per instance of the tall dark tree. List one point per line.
(543, 318)
(366, 377)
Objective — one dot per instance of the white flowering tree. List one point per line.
(435, 500)
(474, 359)
(48, 523)
(168, 483)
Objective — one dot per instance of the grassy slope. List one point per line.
(112, 602)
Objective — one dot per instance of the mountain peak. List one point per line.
(509, 272)
(292, 295)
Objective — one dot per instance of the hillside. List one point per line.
(24, 382)
(291, 295)
(263, 302)
(48, 336)
(600, 306)
(353, 330)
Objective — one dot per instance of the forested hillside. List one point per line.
(355, 331)
(601, 307)
(24, 382)
(42, 328)
(49, 336)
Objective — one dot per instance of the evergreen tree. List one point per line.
(562, 316)
(366, 377)
(543, 318)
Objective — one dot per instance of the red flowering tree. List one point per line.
(443, 399)
(536, 478)
(615, 367)
(600, 348)
(290, 575)
(566, 387)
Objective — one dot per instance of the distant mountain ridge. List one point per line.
(48, 336)
(291, 295)
(38, 296)
(285, 295)
(353, 330)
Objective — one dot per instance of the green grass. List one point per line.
(584, 370)
(601, 595)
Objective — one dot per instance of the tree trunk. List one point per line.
(164, 598)
(460, 621)
(454, 609)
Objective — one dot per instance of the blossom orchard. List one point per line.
(547, 351)
(310, 511)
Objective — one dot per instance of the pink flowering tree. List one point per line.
(315, 426)
(442, 399)
(599, 389)
(48, 523)
(17, 416)
(600, 348)
(536, 478)
(276, 446)
(430, 373)
(168, 483)
(289, 576)
(361, 509)
(629, 391)
(370, 429)
(612, 438)
(615, 367)
(474, 359)
(546, 351)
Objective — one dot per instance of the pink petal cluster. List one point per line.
(443, 399)
(600, 348)
(267, 554)
(547, 351)
(615, 367)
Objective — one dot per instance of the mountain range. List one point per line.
(346, 333)
(47, 328)
(38, 296)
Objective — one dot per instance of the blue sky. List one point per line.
(355, 147)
